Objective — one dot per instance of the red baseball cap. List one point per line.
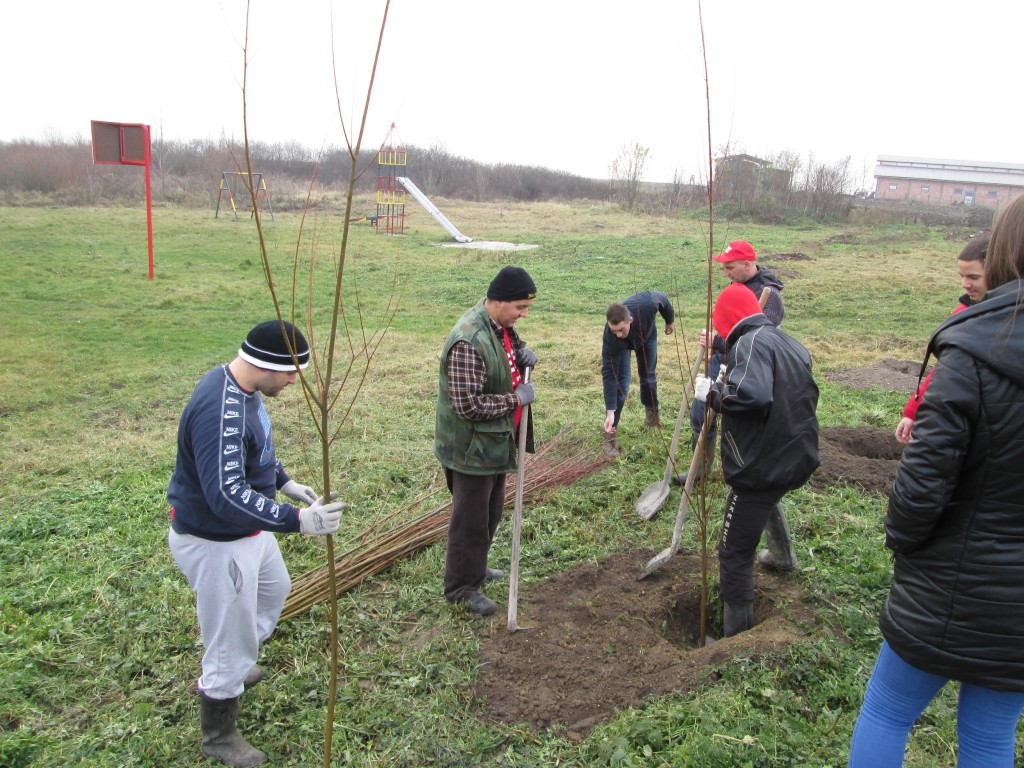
(737, 250)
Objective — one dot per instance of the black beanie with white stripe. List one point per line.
(266, 347)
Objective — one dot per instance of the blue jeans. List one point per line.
(896, 696)
(646, 364)
(697, 409)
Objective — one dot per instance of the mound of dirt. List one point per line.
(864, 457)
(889, 374)
(595, 640)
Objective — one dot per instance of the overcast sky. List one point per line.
(557, 83)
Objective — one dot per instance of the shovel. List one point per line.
(653, 498)
(517, 518)
(667, 554)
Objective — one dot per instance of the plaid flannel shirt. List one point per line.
(466, 377)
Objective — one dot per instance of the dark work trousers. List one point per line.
(646, 367)
(746, 514)
(697, 409)
(477, 504)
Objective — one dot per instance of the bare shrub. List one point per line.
(626, 172)
(50, 167)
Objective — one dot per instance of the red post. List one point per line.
(149, 199)
(126, 144)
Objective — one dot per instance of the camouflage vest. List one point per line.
(476, 447)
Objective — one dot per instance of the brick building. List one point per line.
(947, 182)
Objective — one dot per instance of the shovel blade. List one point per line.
(657, 561)
(652, 500)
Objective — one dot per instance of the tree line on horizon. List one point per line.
(188, 173)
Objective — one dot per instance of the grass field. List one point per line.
(100, 650)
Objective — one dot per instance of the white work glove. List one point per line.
(721, 372)
(298, 492)
(320, 518)
(701, 387)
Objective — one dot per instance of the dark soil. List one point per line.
(594, 640)
(862, 457)
(890, 374)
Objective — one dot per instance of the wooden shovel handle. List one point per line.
(517, 517)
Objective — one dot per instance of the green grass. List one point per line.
(100, 649)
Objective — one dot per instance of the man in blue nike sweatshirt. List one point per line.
(223, 513)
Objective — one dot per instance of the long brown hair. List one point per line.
(1006, 246)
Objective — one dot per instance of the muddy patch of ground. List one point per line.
(890, 374)
(865, 457)
(862, 457)
(595, 640)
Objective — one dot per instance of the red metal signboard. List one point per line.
(125, 144)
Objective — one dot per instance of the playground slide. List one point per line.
(432, 210)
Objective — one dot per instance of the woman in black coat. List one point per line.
(956, 527)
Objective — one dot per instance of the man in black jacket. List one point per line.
(768, 401)
(738, 264)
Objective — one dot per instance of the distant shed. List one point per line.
(947, 182)
(744, 178)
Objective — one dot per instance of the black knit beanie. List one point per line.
(266, 347)
(512, 284)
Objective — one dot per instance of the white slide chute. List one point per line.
(432, 210)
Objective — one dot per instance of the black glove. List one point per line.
(525, 393)
(526, 358)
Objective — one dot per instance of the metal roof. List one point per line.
(960, 171)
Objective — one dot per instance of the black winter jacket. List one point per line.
(956, 511)
(768, 403)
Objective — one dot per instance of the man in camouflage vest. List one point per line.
(480, 399)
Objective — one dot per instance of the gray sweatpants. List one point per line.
(240, 589)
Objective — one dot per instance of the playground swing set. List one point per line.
(228, 182)
(392, 186)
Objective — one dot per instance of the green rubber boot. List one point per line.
(780, 555)
(221, 738)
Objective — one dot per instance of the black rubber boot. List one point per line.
(482, 605)
(737, 617)
(220, 736)
(611, 444)
(780, 554)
